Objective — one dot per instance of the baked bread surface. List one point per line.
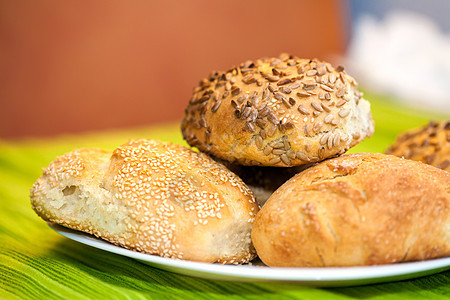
(429, 144)
(283, 111)
(153, 197)
(357, 209)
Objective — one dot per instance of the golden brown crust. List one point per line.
(281, 112)
(153, 197)
(358, 209)
(429, 144)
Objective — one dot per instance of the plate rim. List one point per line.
(326, 275)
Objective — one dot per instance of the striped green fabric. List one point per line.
(37, 263)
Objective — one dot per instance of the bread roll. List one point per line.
(153, 197)
(263, 181)
(429, 144)
(358, 209)
(282, 112)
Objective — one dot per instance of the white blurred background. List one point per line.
(401, 48)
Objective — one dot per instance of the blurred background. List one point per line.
(78, 66)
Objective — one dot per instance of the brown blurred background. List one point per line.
(75, 66)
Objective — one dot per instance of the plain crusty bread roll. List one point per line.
(153, 197)
(283, 112)
(357, 209)
(429, 144)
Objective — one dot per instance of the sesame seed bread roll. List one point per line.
(357, 209)
(282, 112)
(152, 197)
(429, 144)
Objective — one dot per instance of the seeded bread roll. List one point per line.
(263, 181)
(429, 144)
(280, 112)
(153, 197)
(357, 209)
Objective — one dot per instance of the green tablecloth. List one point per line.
(36, 262)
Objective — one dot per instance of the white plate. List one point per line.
(343, 276)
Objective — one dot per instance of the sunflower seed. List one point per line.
(271, 131)
(303, 109)
(261, 123)
(340, 103)
(330, 142)
(344, 112)
(290, 154)
(246, 112)
(264, 112)
(272, 78)
(336, 139)
(325, 107)
(284, 158)
(317, 126)
(308, 87)
(324, 138)
(278, 151)
(303, 94)
(326, 88)
(321, 153)
(286, 90)
(279, 96)
(216, 106)
(274, 161)
(328, 119)
(259, 142)
(311, 72)
(339, 68)
(250, 127)
(249, 79)
(340, 92)
(273, 89)
(284, 81)
(263, 134)
(267, 150)
(302, 156)
(272, 118)
(316, 106)
(294, 86)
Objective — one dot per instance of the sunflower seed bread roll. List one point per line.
(429, 144)
(152, 197)
(357, 209)
(283, 112)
